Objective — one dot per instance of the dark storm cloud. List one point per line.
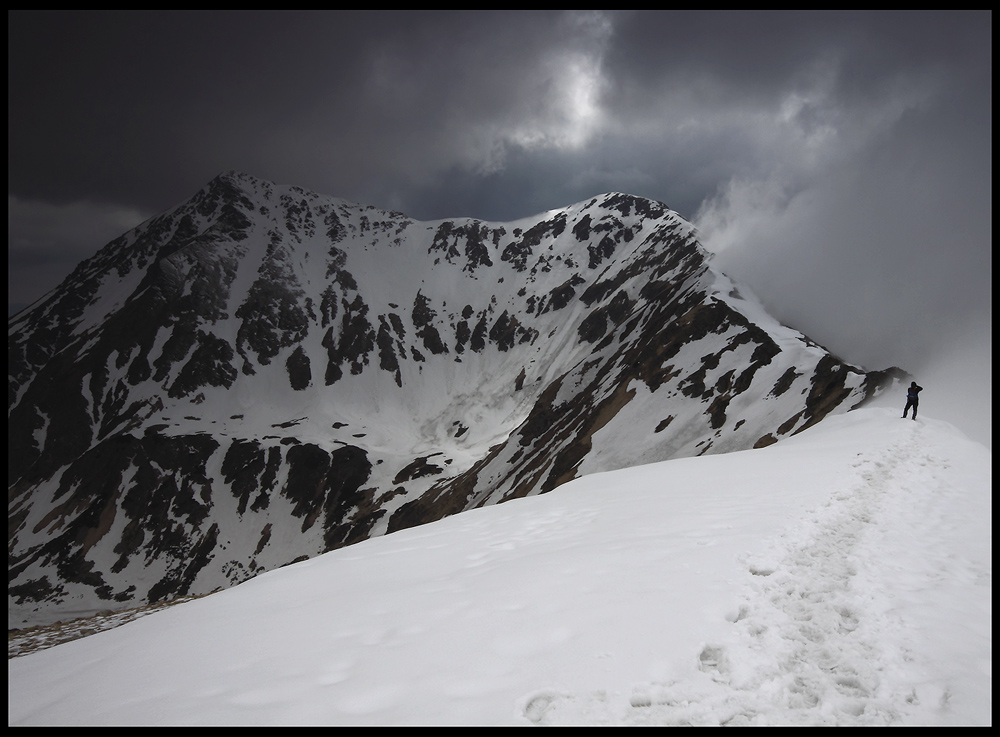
(45, 242)
(838, 162)
(140, 107)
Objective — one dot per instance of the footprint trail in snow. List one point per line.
(815, 639)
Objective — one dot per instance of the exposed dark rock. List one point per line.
(353, 344)
(387, 350)
(478, 340)
(308, 465)
(415, 470)
(242, 468)
(423, 319)
(785, 381)
(600, 251)
(299, 369)
(272, 317)
(519, 251)
(462, 335)
(210, 365)
(476, 236)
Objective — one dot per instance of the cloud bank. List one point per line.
(837, 162)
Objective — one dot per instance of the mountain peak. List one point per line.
(238, 179)
(262, 374)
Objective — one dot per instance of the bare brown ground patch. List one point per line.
(32, 639)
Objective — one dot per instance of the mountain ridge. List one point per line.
(261, 373)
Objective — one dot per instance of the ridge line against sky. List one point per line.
(839, 163)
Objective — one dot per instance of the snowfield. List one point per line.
(842, 576)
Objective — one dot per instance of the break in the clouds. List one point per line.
(838, 162)
(524, 89)
(474, 96)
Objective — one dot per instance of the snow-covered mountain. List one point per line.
(262, 374)
(839, 577)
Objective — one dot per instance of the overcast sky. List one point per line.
(838, 163)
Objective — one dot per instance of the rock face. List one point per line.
(262, 374)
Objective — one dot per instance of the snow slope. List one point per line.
(840, 576)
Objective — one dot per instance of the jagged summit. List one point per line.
(263, 373)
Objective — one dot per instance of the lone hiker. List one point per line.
(912, 399)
